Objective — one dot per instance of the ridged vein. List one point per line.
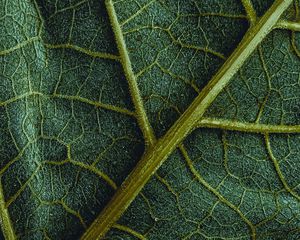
(156, 155)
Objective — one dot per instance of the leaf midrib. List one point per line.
(157, 154)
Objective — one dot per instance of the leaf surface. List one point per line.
(87, 87)
(69, 134)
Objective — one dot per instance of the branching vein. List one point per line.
(83, 50)
(289, 25)
(129, 230)
(71, 98)
(6, 225)
(157, 154)
(18, 46)
(278, 170)
(246, 127)
(215, 192)
(131, 78)
(251, 14)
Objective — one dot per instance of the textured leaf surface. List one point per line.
(80, 93)
(173, 49)
(68, 133)
(225, 184)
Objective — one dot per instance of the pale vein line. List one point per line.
(94, 103)
(232, 125)
(91, 168)
(23, 187)
(61, 203)
(200, 49)
(215, 192)
(18, 46)
(72, 212)
(137, 13)
(188, 46)
(130, 231)
(82, 165)
(184, 80)
(278, 170)
(132, 82)
(221, 15)
(6, 225)
(180, 43)
(72, 7)
(157, 154)
(72, 98)
(96, 171)
(17, 158)
(251, 13)
(14, 99)
(268, 77)
(83, 50)
(62, 46)
(289, 25)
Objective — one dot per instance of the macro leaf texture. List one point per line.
(150, 119)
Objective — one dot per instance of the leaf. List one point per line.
(69, 134)
(87, 85)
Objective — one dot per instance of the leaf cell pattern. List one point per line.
(174, 56)
(225, 184)
(81, 89)
(69, 134)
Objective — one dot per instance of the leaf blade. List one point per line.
(165, 146)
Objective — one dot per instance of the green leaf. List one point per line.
(189, 110)
(69, 134)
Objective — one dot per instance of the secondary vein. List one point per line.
(18, 46)
(131, 78)
(157, 154)
(247, 127)
(83, 50)
(129, 230)
(251, 14)
(289, 25)
(222, 199)
(6, 225)
(278, 170)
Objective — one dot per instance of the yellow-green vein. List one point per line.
(131, 78)
(215, 192)
(157, 154)
(246, 127)
(72, 98)
(83, 50)
(18, 46)
(143, 8)
(278, 170)
(96, 171)
(6, 225)
(289, 25)
(129, 230)
(251, 14)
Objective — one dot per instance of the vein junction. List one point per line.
(156, 155)
(157, 151)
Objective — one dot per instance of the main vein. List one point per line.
(132, 82)
(157, 154)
